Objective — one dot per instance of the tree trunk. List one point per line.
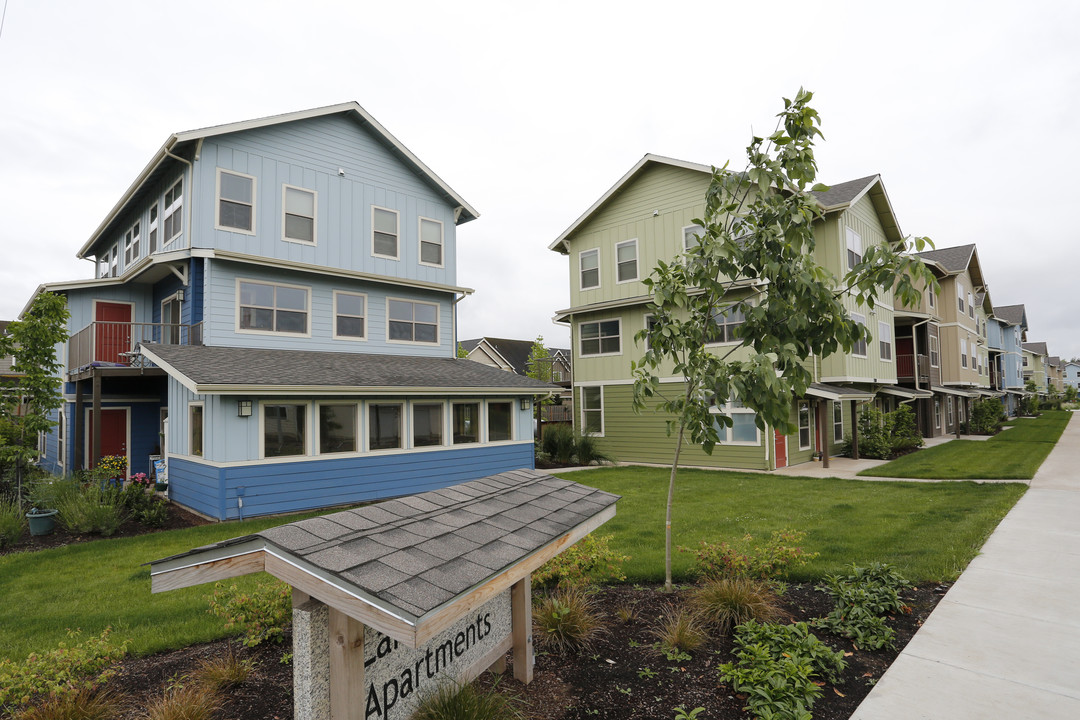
(670, 501)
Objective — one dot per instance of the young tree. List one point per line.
(29, 399)
(758, 236)
(538, 367)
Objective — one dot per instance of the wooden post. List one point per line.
(80, 429)
(95, 434)
(956, 418)
(521, 623)
(824, 432)
(346, 667)
(854, 430)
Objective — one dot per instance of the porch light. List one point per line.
(524, 403)
(243, 408)
(180, 295)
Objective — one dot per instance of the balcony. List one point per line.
(905, 367)
(112, 344)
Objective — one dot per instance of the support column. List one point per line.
(521, 620)
(854, 430)
(824, 431)
(311, 659)
(80, 429)
(95, 439)
(346, 667)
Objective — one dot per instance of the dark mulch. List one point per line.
(602, 682)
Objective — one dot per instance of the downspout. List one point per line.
(453, 321)
(191, 186)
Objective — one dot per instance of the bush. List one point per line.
(155, 514)
(558, 443)
(773, 559)
(12, 522)
(467, 702)
(82, 665)
(1029, 405)
(905, 433)
(589, 560)
(986, 416)
(723, 603)
(565, 620)
(882, 435)
(184, 702)
(259, 615)
(863, 597)
(223, 673)
(588, 453)
(679, 632)
(83, 704)
(86, 508)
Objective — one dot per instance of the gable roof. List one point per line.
(1038, 348)
(1011, 314)
(514, 352)
(226, 370)
(178, 142)
(956, 260)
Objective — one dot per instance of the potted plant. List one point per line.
(42, 522)
(111, 470)
(42, 514)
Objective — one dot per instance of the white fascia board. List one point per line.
(212, 554)
(351, 390)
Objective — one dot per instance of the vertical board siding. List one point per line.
(81, 303)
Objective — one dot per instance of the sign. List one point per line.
(161, 471)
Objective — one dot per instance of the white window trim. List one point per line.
(687, 227)
(971, 305)
(438, 323)
(809, 421)
(405, 431)
(275, 333)
(861, 320)
(161, 313)
(487, 422)
(317, 440)
(725, 409)
(849, 234)
(190, 436)
(882, 329)
(396, 215)
(61, 439)
(367, 313)
(729, 343)
(132, 239)
(963, 353)
(262, 428)
(603, 412)
(177, 206)
(960, 296)
(481, 420)
(314, 217)
(217, 202)
(152, 224)
(420, 241)
(445, 422)
(602, 354)
(599, 279)
(932, 296)
(637, 269)
(838, 425)
(929, 350)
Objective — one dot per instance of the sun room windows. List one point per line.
(284, 429)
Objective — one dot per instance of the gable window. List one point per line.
(299, 209)
(691, 236)
(960, 296)
(412, 321)
(859, 348)
(431, 242)
(589, 262)
(284, 429)
(601, 337)
(174, 218)
(384, 233)
(837, 421)
(427, 424)
(933, 351)
(592, 410)
(854, 248)
(626, 261)
(337, 427)
(195, 429)
(963, 354)
(500, 421)
(131, 245)
(725, 321)
(350, 315)
(152, 230)
(384, 426)
(236, 201)
(273, 308)
(466, 423)
(804, 425)
(885, 340)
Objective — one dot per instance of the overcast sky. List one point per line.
(969, 111)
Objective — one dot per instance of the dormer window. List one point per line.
(299, 221)
(236, 202)
(174, 205)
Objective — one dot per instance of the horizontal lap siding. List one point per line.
(196, 486)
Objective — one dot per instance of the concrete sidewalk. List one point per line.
(1004, 642)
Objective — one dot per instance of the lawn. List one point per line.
(96, 584)
(929, 531)
(1013, 454)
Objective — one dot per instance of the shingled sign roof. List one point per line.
(411, 556)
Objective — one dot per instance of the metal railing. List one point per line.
(905, 366)
(112, 344)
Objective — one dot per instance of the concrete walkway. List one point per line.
(1004, 642)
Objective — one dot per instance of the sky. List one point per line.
(532, 111)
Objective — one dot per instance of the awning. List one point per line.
(838, 392)
(906, 393)
(955, 391)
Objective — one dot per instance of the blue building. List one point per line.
(274, 313)
(1006, 333)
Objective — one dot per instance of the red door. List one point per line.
(113, 432)
(113, 333)
(780, 446)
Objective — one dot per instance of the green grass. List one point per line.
(1013, 454)
(929, 531)
(96, 584)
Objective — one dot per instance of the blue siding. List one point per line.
(289, 487)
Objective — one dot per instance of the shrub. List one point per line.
(222, 673)
(12, 522)
(87, 508)
(565, 620)
(184, 702)
(863, 597)
(773, 559)
(259, 615)
(986, 415)
(905, 433)
(558, 442)
(874, 437)
(587, 451)
(82, 665)
(85, 704)
(1029, 405)
(451, 701)
(726, 602)
(679, 631)
(589, 560)
(155, 514)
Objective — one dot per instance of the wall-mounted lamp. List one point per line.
(243, 408)
(180, 296)
(524, 403)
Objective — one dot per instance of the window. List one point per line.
(556, 376)
(804, 425)
(963, 352)
(592, 410)
(60, 431)
(114, 259)
(932, 297)
(971, 307)
(626, 261)
(236, 201)
(384, 233)
(500, 421)
(41, 444)
(960, 296)
(131, 245)
(411, 321)
(885, 340)
(589, 262)
(600, 338)
(195, 429)
(837, 421)
(960, 410)
(427, 424)
(854, 248)
(937, 413)
(174, 204)
(384, 426)
(466, 423)
(933, 350)
(725, 321)
(152, 230)
(103, 265)
(949, 408)
(273, 308)
(859, 348)
(431, 242)
(350, 315)
(170, 321)
(691, 236)
(284, 430)
(743, 430)
(337, 428)
(299, 208)
(1025, 361)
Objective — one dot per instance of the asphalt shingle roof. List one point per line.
(515, 352)
(953, 259)
(1039, 348)
(844, 192)
(1012, 314)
